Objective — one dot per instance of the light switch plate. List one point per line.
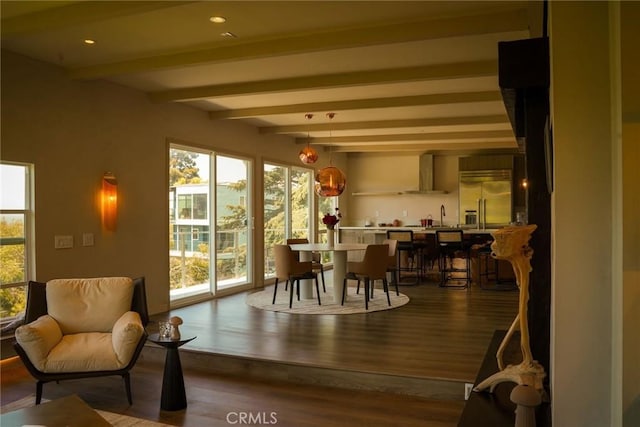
(63, 242)
(87, 239)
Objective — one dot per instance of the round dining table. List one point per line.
(339, 251)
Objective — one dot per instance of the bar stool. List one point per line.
(490, 279)
(405, 246)
(451, 246)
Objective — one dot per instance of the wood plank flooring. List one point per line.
(440, 334)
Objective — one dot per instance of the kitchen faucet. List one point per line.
(442, 215)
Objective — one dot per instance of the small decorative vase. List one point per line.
(175, 332)
(331, 237)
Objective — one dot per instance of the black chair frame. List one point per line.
(451, 244)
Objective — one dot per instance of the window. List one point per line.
(16, 238)
(288, 208)
(208, 205)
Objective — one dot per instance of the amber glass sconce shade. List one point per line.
(330, 182)
(109, 198)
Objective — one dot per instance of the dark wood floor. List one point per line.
(441, 334)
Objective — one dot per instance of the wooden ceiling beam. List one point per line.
(456, 70)
(439, 136)
(359, 104)
(426, 147)
(388, 124)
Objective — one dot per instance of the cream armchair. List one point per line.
(80, 328)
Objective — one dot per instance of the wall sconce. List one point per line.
(109, 201)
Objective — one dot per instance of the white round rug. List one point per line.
(354, 303)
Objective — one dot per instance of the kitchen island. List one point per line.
(476, 238)
(378, 234)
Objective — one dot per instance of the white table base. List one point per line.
(340, 251)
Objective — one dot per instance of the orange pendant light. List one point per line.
(308, 155)
(330, 181)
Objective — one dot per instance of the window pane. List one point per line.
(300, 202)
(232, 226)
(275, 179)
(184, 206)
(189, 247)
(13, 187)
(12, 250)
(200, 206)
(15, 227)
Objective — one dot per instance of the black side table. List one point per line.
(174, 397)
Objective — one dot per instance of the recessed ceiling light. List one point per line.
(89, 41)
(218, 19)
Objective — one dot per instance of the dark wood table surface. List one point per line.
(68, 411)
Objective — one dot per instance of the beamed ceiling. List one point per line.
(399, 75)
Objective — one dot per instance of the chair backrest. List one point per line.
(400, 235)
(449, 238)
(287, 263)
(88, 305)
(393, 244)
(376, 261)
(37, 300)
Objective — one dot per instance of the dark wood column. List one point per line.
(539, 213)
(524, 82)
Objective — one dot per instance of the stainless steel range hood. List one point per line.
(424, 181)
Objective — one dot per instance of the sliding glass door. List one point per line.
(288, 208)
(210, 243)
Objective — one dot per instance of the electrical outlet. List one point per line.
(468, 388)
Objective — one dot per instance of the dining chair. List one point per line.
(289, 268)
(391, 266)
(316, 259)
(373, 267)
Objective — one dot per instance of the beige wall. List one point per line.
(630, 33)
(595, 294)
(74, 131)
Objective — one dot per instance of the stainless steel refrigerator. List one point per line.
(485, 198)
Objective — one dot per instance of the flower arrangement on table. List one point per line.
(331, 220)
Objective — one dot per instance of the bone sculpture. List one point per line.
(512, 244)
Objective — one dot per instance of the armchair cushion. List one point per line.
(88, 305)
(126, 335)
(38, 338)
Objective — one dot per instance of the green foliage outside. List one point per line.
(12, 300)
(194, 270)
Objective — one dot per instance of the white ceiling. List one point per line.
(399, 75)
